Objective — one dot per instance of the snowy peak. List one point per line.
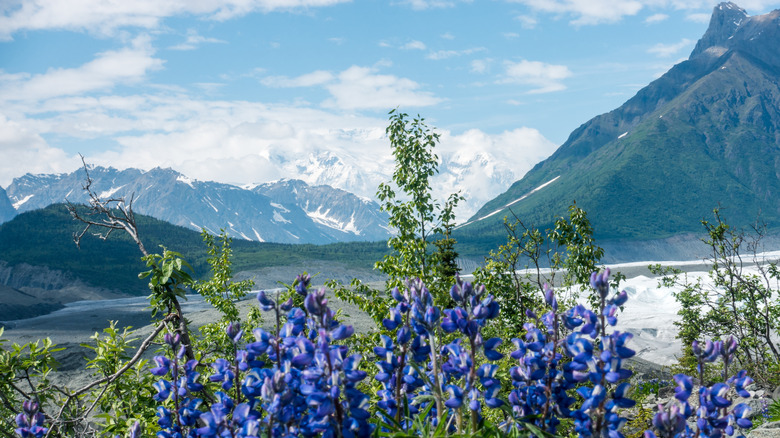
(731, 29)
(335, 211)
(726, 18)
(290, 212)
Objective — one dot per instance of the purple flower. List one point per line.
(684, 387)
(549, 297)
(342, 332)
(302, 284)
(163, 366)
(234, 332)
(456, 396)
(31, 421)
(172, 339)
(600, 283)
(223, 372)
(489, 347)
(394, 320)
(135, 430)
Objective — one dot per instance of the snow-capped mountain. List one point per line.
(334, 209)
(478, 165)
(334, 216)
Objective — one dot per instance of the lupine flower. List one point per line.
(234, 332)
(163, 366)
(713, 419)
(309, 386)
(223, 372)
(30, 421)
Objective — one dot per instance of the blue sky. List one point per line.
(247, 91)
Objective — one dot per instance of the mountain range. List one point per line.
(286, 211)
(703, 135)
(706, 134)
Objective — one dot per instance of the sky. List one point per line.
(249, 91)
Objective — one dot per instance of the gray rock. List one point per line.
(666, 391)
(776, 394)
(768, 430)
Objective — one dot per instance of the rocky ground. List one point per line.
(760, 397)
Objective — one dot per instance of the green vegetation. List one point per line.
(423, 246)
(45, 238)
(418, 219)
(513, 272)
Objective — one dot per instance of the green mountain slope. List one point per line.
(44, 238)
(706, 134)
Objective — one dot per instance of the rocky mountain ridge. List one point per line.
(284, 211)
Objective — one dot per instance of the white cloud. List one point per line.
(243, 142)
(485, 165)
(361, 88)
(526, 21)
(544, 77)
(656, 18)
(194, 40)
(420, 5)
(667, 50)
(699, 18)
(587, 11)
(24, 151)
(448, 36)
(481, 65)
(318, 77)
(444, 54)
(414, 45)
(104, 72)
(106, 17)
(591, 12)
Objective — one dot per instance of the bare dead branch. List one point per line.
(106, 214)
(108, 380)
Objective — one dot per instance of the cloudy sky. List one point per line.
(230, 90)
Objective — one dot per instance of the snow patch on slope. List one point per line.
(278, 218)
(516, 200)
(280, 207)
(185, 180)
(19, 203)
(108, 193)
(324, 218)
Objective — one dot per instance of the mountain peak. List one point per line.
(727, 17)
(704, 132)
